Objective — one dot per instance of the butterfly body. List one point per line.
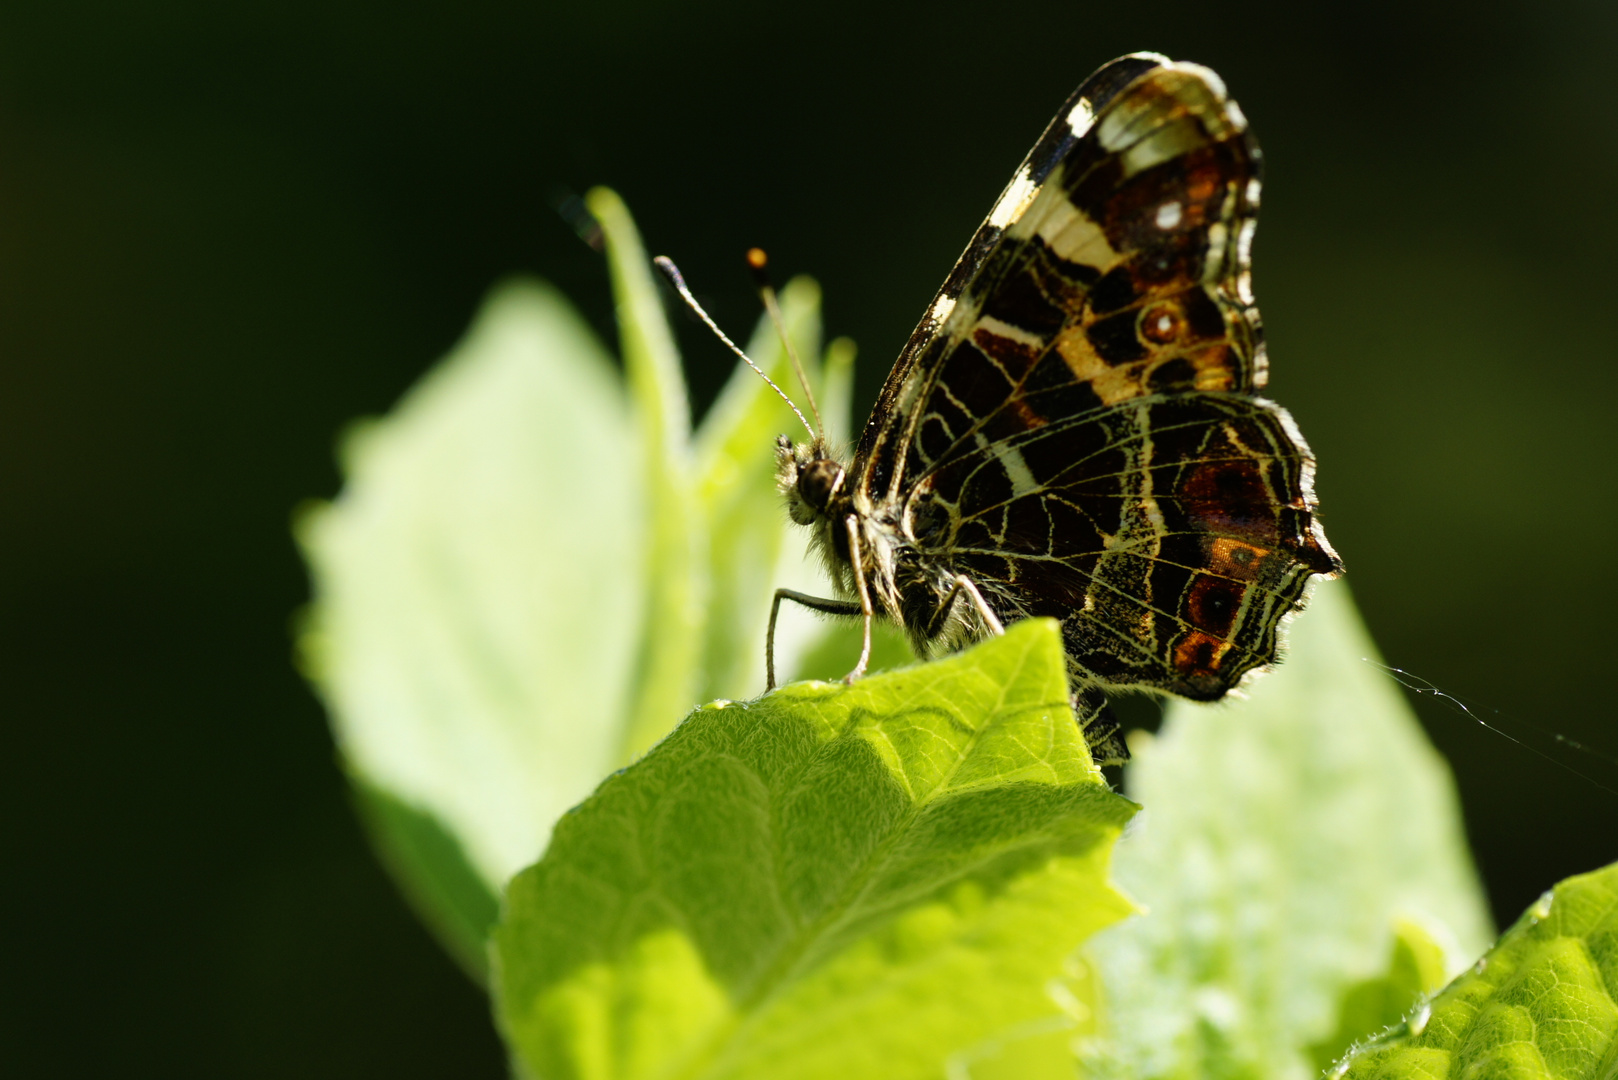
(1072, 430)
(905, 580)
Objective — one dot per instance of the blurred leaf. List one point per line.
(831, 882)
(1040, 1049)
(809, 645)
(837, 649)
(754, 547)
(1283, 836)
(1540, 1004)
(428, 861)
(750, 534)
(667, 670)
(513, 591)
(837, 394)
(1415, 970)
(479, 591)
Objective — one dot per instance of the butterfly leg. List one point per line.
(813, 603)
(964, 584)
(852, 524)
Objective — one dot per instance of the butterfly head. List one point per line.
(810, 478)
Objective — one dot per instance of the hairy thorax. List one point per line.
(905, 582)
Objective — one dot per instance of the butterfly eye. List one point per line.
(816, 482)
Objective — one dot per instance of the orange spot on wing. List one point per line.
(1199, 654)
(1233, 558)
(1161, 323)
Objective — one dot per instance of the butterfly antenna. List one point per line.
(758, 263)
(672, 272)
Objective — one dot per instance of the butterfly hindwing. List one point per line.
(1169, 534)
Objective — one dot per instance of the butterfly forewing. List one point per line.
(895, 404)
(1072, 425)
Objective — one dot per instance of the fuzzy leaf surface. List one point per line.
(829, 882)
(1541, 1004)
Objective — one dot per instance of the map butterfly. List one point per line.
(1072, 431)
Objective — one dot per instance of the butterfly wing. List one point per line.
(1170, 534)
(1073, 426)
(892, 420)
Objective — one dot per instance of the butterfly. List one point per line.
(1072, 430)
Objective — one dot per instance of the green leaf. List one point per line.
(532, 574)
(474, 644)
(1415, 970)
(428, 861)
(1039, 1049)
(837, 393)
(834, 653)
(668, 672)
(1283, 838)
(1539, 1005)
(811, 646)
(753, 547)
(830, 882)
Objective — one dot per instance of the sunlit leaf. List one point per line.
(830, 882)
(533, 573)
(1537, 1006)
(1415, 970)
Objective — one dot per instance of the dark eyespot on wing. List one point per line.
(1051, 391)
(1116, 340)
(1173, 375)
(1022, 303)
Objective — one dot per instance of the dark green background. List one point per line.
(227, 228)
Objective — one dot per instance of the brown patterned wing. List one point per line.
(1114, 265)
(1076, 432)
(1170, 534)
(893, 419)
